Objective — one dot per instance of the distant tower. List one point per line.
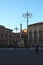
(20, 34)
(20, 28)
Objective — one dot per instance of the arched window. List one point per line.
(30, 37)
(40, 36)
(35, 36)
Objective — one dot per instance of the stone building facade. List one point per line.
(35, 34)
(6, 36)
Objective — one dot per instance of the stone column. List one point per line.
(11, 38)
(4, 38)
(38, 36)
(8, 38)
(32, 37)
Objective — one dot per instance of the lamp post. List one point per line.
(16, 36)
(20, 33)
(27, 15)
(16, 29)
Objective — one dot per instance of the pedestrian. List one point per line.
(37, 48)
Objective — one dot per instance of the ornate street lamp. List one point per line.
(16, 29)
(27, 15)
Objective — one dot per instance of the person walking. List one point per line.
(37, 48)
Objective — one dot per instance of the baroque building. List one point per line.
(5, 36)
(35, 34)
(8, 38)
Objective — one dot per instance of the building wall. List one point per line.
(5, 36)
(36, 34)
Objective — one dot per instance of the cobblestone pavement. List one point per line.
(21, 56)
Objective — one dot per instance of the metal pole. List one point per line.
(16, 29)
(16, 32)
(20, 33)
(27, 29)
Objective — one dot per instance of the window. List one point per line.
(30, 37)
(40, 35)
(35, 36)
(6, 35)
(10, 35)
(1, 34)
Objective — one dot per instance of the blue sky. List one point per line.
(11, 12)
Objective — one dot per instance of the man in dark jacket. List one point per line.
(37, 48)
